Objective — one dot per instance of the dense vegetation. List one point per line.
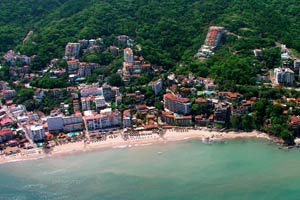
(169, 31)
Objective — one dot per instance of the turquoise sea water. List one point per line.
(242, 169)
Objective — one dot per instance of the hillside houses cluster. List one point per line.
(134, 66)
(184, 105)
(91, 103)
(72, 49)
(14, 58)
(99, 97)
(290, 69)
(78, 71)
(19, 65)
(6, 92)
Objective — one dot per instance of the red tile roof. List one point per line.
(151, 126)
(167, 127)
(5, 121)
(200, 100)
(141, 107)
(295, 119)
(5, 131)
(199, 117)
(172, 97)
(165, 114)
(231, 95)
(248, 103)
(126, 113)
(183, 117)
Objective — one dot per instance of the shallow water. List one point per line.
(241, 169)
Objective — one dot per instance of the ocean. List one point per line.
(239, 169)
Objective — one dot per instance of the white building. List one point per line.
(214, 36)
(65, 123)
(72, 50)
(22, 118)
(85, 103)
(85, 69)
(38, 95)
(285, 56)
(177, 104)
(36, 132)
(296, 64)
(73, 123)
(122, 39)
(127, 118)
(17, 110)
(106, 119)
(284, 76)
(257, 52)
(8, 94)
(95, 91)
(100, 102)
(73, 66)
(212, 40)
(55, 123)
(157, 86)
(12, 57)
(128, 55)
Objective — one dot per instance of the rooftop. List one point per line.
(179, 99)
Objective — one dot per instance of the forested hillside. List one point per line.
(18, 17)
(167, 29)
(170, 32)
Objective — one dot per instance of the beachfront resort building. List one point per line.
(107, 118)
(284, 76)
(36, 132)
(127, 118)
(222, 113)
(213, 39)
(177, 104)
(65, 123)
(176, 119)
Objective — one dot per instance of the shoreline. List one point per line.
(170, 135)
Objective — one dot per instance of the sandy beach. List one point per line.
(144, 138)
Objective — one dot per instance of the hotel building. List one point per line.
(177, 104)
(105, 119)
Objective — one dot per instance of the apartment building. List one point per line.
(36, 132)
(284, 76)
(72, 50)
(177, 104)
(105, 119)
(175, 119)
(157, 86)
